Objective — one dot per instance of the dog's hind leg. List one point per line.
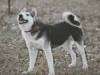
(83, 55)
(72, 54)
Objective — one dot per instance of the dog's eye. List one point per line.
(27, 14)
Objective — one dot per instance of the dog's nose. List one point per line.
(20, 17)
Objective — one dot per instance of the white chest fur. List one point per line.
(31, 40)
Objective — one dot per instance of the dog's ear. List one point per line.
(24, 9)
(34, 12)
(21, 9)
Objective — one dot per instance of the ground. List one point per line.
(13, 51)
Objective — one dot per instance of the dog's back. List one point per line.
(58, 33)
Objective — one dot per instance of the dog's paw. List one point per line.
(85, 66)
(26, 72)
(71, 65)
(51, 73)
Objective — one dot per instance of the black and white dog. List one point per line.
(38, 35)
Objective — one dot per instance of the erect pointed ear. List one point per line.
(24, 9)
(34, 12)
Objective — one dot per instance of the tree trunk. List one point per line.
(9, 6)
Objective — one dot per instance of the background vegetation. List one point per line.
(13, 52)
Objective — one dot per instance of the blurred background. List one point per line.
(14, 54)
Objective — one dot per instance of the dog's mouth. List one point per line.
(22, 20)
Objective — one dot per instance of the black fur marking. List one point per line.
(38, 27)
(71, 18)
(57, 34)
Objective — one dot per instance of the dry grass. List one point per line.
(13, 52)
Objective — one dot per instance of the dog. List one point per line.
(38, 35)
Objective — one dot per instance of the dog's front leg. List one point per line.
(32, 59)
(49, 57)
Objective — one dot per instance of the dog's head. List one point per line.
(26, 18)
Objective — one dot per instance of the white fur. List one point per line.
(27, 26)
(83, 56)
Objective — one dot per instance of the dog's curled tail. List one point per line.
(71, 18)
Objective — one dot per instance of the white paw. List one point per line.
(71, 65)
(51, 73)
(85, 66)
(26, 72)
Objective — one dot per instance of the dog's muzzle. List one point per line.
(21, 19)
